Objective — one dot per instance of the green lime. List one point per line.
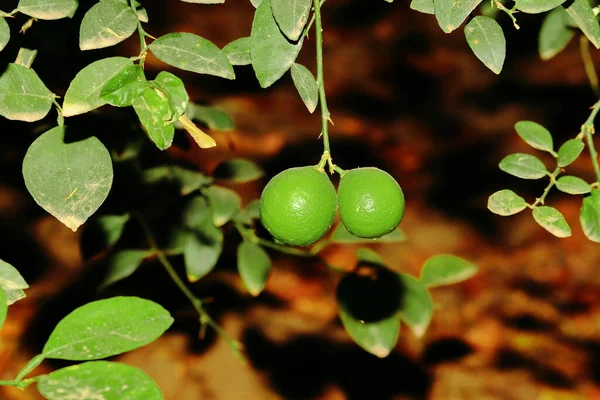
(371, 202)
(298, 206)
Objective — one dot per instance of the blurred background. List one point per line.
(404, 97)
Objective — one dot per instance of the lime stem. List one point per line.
(588, 63)
(325, 116)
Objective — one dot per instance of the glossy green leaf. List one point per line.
(84, 91)
(154, 111)
(254, 266)
(416, 305)
(125, 87)
(224, 204)
(424, 6)
(573, 185)
(535, 135)
(378, 337)
(506, 202)
(3, 306)
(341, 235)
(238, 170)
(306, 85)
(238, 51)
(552, 220)
(106, 328)
(555, 33)
(569, 152)
(12, 282)
(445, 269)
(213, 117)
(272, 54)
(26, 57)
(175, 91)
(109, 227)
(107, 23)
(589, 216)
(537, 6)
(486, 39)
(123, 264)
(187, 180)
(46, 9)
(99, 380)
(369, 256)
(524, 166)
(70, 179)
(582, 13)
(451, 14)
(192, 53)
(23, 95)
(291, 16)
(4, 33)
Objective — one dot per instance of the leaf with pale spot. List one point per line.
(378, 337)
(552, 220)
(105, 24)
(450, 14)
(486, 39)
(238, 51)
(506, 202)
(306, 85)
(12, 282)
(291, 16)
(583, 14)
(524, 166)
(23, 95)
(573, 185)
(154, 112)
(48, 9)
(125, 87)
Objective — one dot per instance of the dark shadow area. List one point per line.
(509, 359)
(445, 350)
(528, 322)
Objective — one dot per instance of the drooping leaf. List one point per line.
(582, 13)
(451, 14)
(506, 202)
(238, 51)
(271, 52)
(291, 16)
(573, 185)
(445, 269)
(175, 90)
(125, 87)
(107, 23)
(238, 170)
(416, 305)
(23, 95)
(306, 85)
(589, 216)
(537, 6)
(224, 204)
(378, 338)
(424, 6)
(341, 235)
(569, 152)
(535, 135)
(202, 139)
(69, 179)
(214, 117)
(4, 33)
(552, 220)
(99, 380)
(524, 166)
(369, 256)
(555, 34)
(187, 180)
(84, 91)
(154, 112)
(12, 282)
(49, 10)
(486, 39)
(106, 328)
(3, 306)
(123, 264)
(254, 266)
(192, 53)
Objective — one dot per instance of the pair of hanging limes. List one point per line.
(298, 205)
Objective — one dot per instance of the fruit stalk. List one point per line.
(325, 116)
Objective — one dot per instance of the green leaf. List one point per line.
(23, 95)
(378, 338)
(537, 6)
(105, 24)
(451, 14)
(416, 305)
(272, 54)
(26, 57)
(589, 216)
(109, 227)
(3, 306)
(573, 185)
(238, 170)
(368, 256)
(552, 220)
(187, 180)
(291, 16)
(254, 266)
(12, 282)
(582, 13)
(69, 179)
(214, 117)
(238, 51)
(84, 91)
(125, 87)
(445, 269)
(535, 135)
(256, 3)
(524, 166)
(424, 6)
(192, 53)
(486, 39)
(569, 152)
(306, 85)
(154, 112)
(4, 33)
(341, 235)
(106, 328)
(49, 10)
(224, 204)
(506, 202)
(175, 90)
(123, 264)
(99, 380)
(250, 213)
(142, 14)
(555, 33)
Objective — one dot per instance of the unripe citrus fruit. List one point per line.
(371, 202)
(298, 206)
